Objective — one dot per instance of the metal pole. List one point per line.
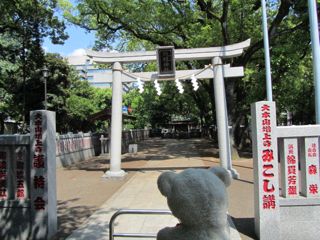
(116, 124)
(266, 50)
(314, 31)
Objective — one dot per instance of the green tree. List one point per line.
(149, 109)
(23, 26)
(60, 79)
(102, 98)
(83, 101)
(79, 106)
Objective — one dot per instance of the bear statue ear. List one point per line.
(165, 183)
(223, 174)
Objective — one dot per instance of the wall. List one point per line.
(76, 147)
(73, 148)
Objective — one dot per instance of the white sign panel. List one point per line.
(310, 167)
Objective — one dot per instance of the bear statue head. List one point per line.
(197, 197)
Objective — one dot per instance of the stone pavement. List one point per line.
(140, 191)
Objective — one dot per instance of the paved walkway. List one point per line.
(140, 191)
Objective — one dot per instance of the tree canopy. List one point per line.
(23, 26)
(138, 25)
(142, 25)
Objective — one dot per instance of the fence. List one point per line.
(292, 212)
(76, 147)
(128, 137)
(133, 136)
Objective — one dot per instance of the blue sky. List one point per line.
(78, 39)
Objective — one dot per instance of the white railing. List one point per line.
(112, 234)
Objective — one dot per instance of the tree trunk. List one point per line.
(1, 125)
(230, 98)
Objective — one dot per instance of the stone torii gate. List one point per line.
(217, 72)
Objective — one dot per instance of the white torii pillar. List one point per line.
(116, 124)
(222, 118)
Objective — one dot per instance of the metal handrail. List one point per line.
(134, 211)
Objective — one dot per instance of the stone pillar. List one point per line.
(116, 124)
(265, 166)
(222, 118)
(43, 194)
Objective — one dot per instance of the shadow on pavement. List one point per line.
(245, 226)
(157, 149)
(71, 217)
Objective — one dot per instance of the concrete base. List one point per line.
(300, 222)
(115, 175)
(233, 173)
(70, 158)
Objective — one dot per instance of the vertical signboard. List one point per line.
(265, 161)
(43, 175)
(166, 62)
(290, 168)
(20, 173)
(310, 180)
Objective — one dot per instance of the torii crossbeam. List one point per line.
(218, 72)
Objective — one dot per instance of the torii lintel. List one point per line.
(228, 51)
